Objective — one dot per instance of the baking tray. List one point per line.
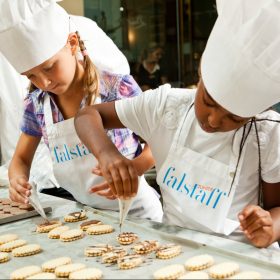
(75, 250)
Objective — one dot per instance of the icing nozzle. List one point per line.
(124, 206)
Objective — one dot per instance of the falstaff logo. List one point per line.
(203, 194)
(65, 153)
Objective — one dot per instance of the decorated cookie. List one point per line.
(98, 250)
(129, 261)
(126, 238)
(47, 226)
(85, 225)
(51, 265)
(4, 257)
(86, 273)
(168, 251)
(24, 272)
(9, 246)
(100, 229)
(43, 275)
(75, 217)
(65, 270)
(112, 257)
(71, 235)
(223, 270)
(195, 275)
(173, 271)
(247, 275)
(145, 247)
(56, 232)
(8, 238)
(199, 262)
(27, 250)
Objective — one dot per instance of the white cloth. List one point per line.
(13, 89)
(72, 165)
(155, 116)
(240, 66)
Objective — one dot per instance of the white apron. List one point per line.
(196, 188)
(72, 165)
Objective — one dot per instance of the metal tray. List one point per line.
(75, 250)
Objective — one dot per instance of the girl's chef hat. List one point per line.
(32, 31)
(240, 66)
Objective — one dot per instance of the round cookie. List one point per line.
(145, 246)
(75, 217)
(195, 275)
(199, 262)
(168, 251)
(24, 272)
(48, 226)
(86, 273)
(97, 250)
(85, 225)
(43, 275)
(126, 238)
(223, 270)
(71, 235)
(56, 232)
(9, 246)
(100, 229)
(173, 271)
(4, 257)
(112, 257)
(51, 265)
(129, 261)
(27, 250)
(65, 270)
(247, 275)
(8, 238)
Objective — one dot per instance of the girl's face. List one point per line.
(56, 74)
(211, 116)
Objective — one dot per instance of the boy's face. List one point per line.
(55, 74)
(211, 116)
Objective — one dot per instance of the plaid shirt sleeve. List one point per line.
(30, 123)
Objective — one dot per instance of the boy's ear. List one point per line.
(73, 42)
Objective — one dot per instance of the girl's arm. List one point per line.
(117, 170)
(262, 226)
(19, 167)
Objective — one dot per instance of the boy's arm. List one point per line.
(19, 167)
(118, 171)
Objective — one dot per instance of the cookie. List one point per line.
(7, 238)
(27, 207)
(27, 250)
(195, 275)
(51, 265)
(43, 275)
(71, 235)
(48, 226)
(247, 275)
(75, 217)
(168, 251)
(112, 257)
(126, 238)
(173, 271)
(65, 270)
(4, 257)
(129, 261)
(24, 272)
(199, 262)
(98, 250)
(223, 270)
(145, 247)
(86, 273)
(100, 229)
(9, 246)
(85, 225)
(56, 232)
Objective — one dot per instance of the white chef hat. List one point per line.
(32, 31)
(240, 66)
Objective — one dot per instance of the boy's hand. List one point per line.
(257, 225)
(20, 189)
(120, 174)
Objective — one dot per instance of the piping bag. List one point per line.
(35, 202)
(124, 206)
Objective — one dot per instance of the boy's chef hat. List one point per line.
(240, 66)
(32, 31)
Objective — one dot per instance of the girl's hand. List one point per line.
(120, 174)
(20, 189)
(257, 225)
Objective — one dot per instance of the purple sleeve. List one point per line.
(128, 87)
(30, 123)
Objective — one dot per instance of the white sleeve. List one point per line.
(142, 113)
(102, 50)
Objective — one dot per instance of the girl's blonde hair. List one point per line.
(91, 77)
